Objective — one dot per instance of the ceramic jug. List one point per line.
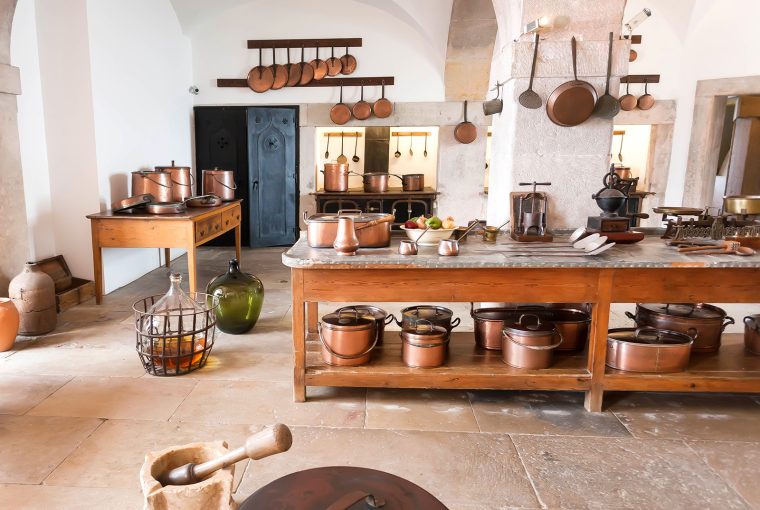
(33, 293)
(9, 321)
(240, 295)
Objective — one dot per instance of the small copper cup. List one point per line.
(490, 234)
(407, 247)
(448, 248)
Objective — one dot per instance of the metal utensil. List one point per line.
(355, 159)
(597, 251)
(327, 152)
(411, 152)
(424, 153)
(397, 154)
(573, 102)
(131, 202)
(529, 98)
(342, 158)
(607, 106)
(620, 150)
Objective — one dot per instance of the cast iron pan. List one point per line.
(573, 102)
(465, 132)
(260, 78)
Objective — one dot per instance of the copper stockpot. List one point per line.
(572, 324)
(220, 183)
(412, 182)
(648, 350)
(752, 333)
(489, 324)
(703, 322)
(321, 229)
(347, 338)
(529, 346)
(336, 177)
(380, 316)
(435, 315)
(376, 182)
(425, 346)
(156, 183)
(182, 181)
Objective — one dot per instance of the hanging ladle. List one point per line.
(411, 152)
(397, 154)
(424, 153)
(529, 98)
(342, 159)
(355, 159)
(327, 152)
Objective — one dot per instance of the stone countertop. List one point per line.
(652, 252)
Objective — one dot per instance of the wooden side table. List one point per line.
(188, 230)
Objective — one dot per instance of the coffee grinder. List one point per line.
(611, 199)
(530, 210)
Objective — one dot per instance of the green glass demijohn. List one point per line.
(240, 298)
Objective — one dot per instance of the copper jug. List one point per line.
(157, 183)
(346, 242)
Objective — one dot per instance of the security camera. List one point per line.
(194, 90)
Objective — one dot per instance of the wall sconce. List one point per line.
(637, 20)
(545, 23)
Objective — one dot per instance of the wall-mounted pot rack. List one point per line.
(412, 133)
(347, 134)
(346, 42)
(641, 78)
(367, 81)
(635, 39)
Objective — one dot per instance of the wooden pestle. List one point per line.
(270, 441)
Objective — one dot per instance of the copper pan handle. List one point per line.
(630, 316)
(385, 219)
(729, 321)
(192, 181)
(234, 186)
(348, 500)
(145, 176)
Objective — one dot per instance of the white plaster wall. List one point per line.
(31, 126)
(141, 71)
(635, 150)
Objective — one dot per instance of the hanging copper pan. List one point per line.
(333, 64)
(628, 101)
(646, 101)
(307, 72)
(260, 78)
(465, 132)
(362, 110)
(340, 113)
(573, 102)
(319, 66)
(279, 71)
(382, 107)
(347, 63)
(294, 72)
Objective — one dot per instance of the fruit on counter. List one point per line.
(434, 222)
(421, 222)
(410, 224)
(449, 222)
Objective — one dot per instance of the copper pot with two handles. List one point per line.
(181, 179)
(381, 317)
(336, 177)
(347, 338)
(220, 183)
(425, 345)
(154, 182)
(530, 345)
(435, 315)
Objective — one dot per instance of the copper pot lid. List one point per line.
(145, 173)
(427, 312)
(348, 319)
(425, 334)
(529, 324)
(688, 310)
(375, 312)
(649, 336)
(172, 167)
(358, 217)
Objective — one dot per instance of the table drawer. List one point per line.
(208, 227)
(230, 218)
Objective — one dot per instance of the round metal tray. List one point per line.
(132, 202)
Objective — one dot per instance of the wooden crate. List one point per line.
(58, 270)
(80, 290)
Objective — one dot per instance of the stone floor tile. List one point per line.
(113, 454)
(255, 402)
(737, 463)
(19, 393)
(32, 446)
(419, 410)
(550, 413)
(688, 416)
(42, 497)
(581, 472)
(239, 363)
(117, 398)
(457, 468)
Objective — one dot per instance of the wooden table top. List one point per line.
(138, 213)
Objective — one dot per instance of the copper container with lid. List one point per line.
(347, 338)
(648, 350)
(376, 182)
(220, 183)
(413, 182)
(182, 181)
(153, 182)
(435, 315)
(322, 228)
(752, 333)
(704, 323)
(336, 177)
(425, 345)
(381, 317)
(529, 345)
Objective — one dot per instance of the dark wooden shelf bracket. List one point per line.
(641, 78)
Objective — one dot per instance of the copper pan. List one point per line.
(340, 113)
(347, 63)
(628, 101)
(465, 132)
(307, 72)
(279, 71)
(646, 101)
(319, 66)
(260, 78)
(573, 102)
(362, 110)
(648, 350)
(294, 72)
(334, 64)
(383, 107)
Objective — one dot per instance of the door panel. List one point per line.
(273, 170)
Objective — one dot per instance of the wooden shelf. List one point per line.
(411, 133)
(641, 78)
(468, 367)
(367, 81)
(346, 134)
(731, 369)
(342, 42)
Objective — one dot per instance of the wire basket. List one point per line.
(177, 341)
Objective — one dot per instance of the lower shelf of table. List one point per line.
(467, 367)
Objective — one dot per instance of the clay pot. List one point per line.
(33, 293)
(8, 324)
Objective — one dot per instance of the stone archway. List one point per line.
(13, 232)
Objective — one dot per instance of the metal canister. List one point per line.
(154, 182)
(425, 346)
(220, 183)
(381, 317)
(347, 338)
(182, 181)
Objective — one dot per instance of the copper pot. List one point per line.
(376, 182)
(752, 333)
(336, 177)
(648, 350)
(220, 183)
(425, 346)
(321, 229)
(182, 181)
(624, 172)
(380, 316)
(529, 346)
(573, 326)
(489, 324)
(413, 182)
(704, 323)
(436, 315)
(347, 338)
(156, 183)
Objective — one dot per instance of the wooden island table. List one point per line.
(647, 272)
(138, 229)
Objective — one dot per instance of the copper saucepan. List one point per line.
(383, 107)
(340, 113)
(260, 78)
(280, 73)
(307, 72)
(334, 64)
(347, 63)
(573, 102)
(319, 66)
(294, 72)
(362, 110)
(465, 132)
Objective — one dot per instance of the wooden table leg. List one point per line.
(600, 320)
(312, 315)
(299, 337)
(237, 242)
(167, 256)
(97, 262)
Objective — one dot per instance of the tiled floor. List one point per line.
(77, 415)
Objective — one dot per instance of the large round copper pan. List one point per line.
(307, 72)
(334, 64)
(362, 110)
(340, 113)
(260, 78)
(280, 73)
(573, 102)
(347, 63)
(294, 72)
(319, 66)
(465, 132)
(382, 107)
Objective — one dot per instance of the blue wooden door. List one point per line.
(273, 170)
